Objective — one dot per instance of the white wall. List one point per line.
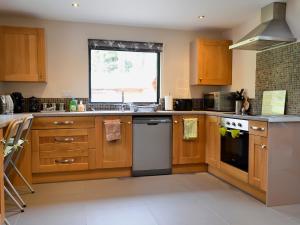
(67, 56)
(244, 62)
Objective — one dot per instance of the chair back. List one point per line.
(25, 129)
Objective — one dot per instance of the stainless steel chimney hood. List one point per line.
(272, 32)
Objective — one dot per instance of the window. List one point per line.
(129, 70)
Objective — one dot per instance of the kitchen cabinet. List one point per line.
(22, 54)
(114, 154)
(2, 210)
(213, 141)
(211, 62)
(258, 157)
(60, 150)
(188, 151)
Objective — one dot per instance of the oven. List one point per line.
(235, 143)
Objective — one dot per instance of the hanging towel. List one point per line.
(235, 133)
(223, 131)
(190, 129)
(112, 130)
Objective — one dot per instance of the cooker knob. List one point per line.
(239, 124)
(228, 123)
(233, 124)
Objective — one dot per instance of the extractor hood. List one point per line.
(272, 32)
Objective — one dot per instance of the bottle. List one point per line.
(73, 105)
(81, 107)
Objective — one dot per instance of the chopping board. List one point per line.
(273, 102)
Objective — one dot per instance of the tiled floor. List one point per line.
(193, 199)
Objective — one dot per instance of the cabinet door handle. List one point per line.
(129, 122)
(67, 122)
(175, 121)
(257, 128)
(64, 161)
(67, 139)
(263, 146)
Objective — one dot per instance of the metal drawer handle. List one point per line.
(64, 161)
(258, 128)
(68, 139)
(67, 122)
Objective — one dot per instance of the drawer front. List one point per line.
(258, 128)
(63, 122)
(60, 150)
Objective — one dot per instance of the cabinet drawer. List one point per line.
(258, 128)
(63, 122)
(61, 149)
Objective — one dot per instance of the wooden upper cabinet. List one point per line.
(211, 62)
(213, 141)
(188, 151)
(258, 159)
(114, 154)
(22, 54)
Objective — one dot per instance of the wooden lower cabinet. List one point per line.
(2, 209)
(188, 151)
(258, 158)
(58, 150)
(114, 154)
(213, 141)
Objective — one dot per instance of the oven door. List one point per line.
(234, 151)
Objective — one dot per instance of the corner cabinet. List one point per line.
(22, 54)
(213, 141)
(188, 151)
(210, 62)
(2, 210)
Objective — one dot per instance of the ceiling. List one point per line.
(173, 14)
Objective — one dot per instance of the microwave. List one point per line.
(219, 101)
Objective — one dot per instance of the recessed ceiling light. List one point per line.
(75, 4)
(201, 17)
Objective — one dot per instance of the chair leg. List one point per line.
(12, 197)
(6, 222)
(22, 177)
(14, 190)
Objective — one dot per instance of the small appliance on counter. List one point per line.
(19, 102)
(168, 103)
(6, 104)
(183, 105)
(34, 104)
(219, 101)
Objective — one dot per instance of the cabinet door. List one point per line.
(213, 141)
(258, 157)
(22, 54)
(188, 151)
(214, 62)
(115, 154)
(2, 210)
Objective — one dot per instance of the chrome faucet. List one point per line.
(123, 105)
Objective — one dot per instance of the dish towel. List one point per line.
(112, 130)
(190, 128)
(235, 133)
(223, 131)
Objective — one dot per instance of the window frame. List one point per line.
(125, 50)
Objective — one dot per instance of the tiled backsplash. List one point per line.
(279, 69)
(197, 104)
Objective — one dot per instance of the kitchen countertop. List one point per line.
(6, 119)
(271, 119)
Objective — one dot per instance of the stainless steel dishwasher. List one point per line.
(152, 145)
